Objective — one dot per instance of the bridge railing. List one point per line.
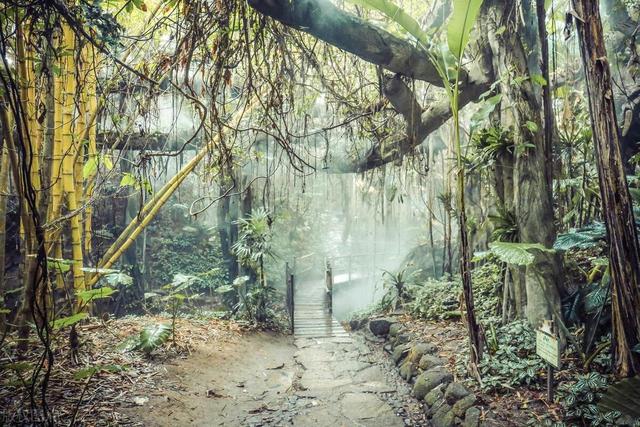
(290, 298)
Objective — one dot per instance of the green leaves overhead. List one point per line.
(460, 24)
(517, 253)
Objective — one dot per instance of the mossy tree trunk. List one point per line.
(624, 253)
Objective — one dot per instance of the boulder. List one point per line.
(460, 407)
(400, 339)
(395, 329)
(471, 417)
(418, 350)
(434, 396)
(428, 380)
(356, 324)
(428, 361)
(455, 392)
(443, 417)
(380, 327)
(399, 353)
(408, 369)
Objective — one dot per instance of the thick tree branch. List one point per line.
(417, 131)
(323, 20)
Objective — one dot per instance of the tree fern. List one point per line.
(582, 238)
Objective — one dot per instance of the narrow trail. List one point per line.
(320, 377)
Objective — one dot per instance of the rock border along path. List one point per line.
(447, 403)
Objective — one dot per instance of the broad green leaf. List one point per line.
(582, 238)
(119, 279)
(90, 168)
(94, 294)
(107, 162)
(153, 337)
(486, 108)
(517, 253)
(538, 79)
(68, 321)
(460, 24)
(532, 126)
(128, 180)
(59, 265)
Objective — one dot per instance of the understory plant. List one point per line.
(511, 360)
(253, 247)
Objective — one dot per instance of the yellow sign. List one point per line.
(547, 348)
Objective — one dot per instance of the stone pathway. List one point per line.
(339, 384)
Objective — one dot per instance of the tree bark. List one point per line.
(531, 196)
(624, 253)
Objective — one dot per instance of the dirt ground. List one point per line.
(221, 384)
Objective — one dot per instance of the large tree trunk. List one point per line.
(532, 195)
(624, 254)
(4, 193)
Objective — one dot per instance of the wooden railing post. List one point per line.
(329, 287)
(288, 277)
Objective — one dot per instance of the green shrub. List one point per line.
(193, 250)
(440, 299)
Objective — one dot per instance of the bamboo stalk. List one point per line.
(150, 209)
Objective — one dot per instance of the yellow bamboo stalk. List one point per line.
(92, 151)
(70, 150)
(149, 210)
(55, 180)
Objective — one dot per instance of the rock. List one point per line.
(401, 339)
(460, 407)
(399, 353)
(443, 417)
(455, 392)
(428, 380)
(418, 350)
(388, 348)
(408, 369)
(394, 329)
(356, 324)
(434, 396)
(471, 417)
(380, 327)
(428, 361)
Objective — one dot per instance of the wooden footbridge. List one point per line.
(310, 302)
(309, 305)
